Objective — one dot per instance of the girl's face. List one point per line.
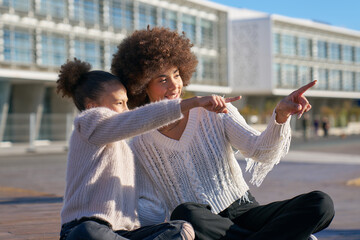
(114, 97)
(168, 84)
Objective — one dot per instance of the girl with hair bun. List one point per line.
(100, 197)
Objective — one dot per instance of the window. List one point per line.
(207, 33)
(147, 16)
(20, 5)
(348, 53)
(188, 24)
(112, 51)
(277, 43)
(88, 50)
(334, 80)
(169, 19)
(116, 14)
(357, 82)
(129, 15)
(53, 50)
(86, 10)
(208, 70)
(335, 51)
(357, 54)
(348, 81)
(322, 49)
(277, 74)
(305, 47)
(55, 8)
(323, 79)
(91, 11)
(290, 76)
(288, 47)
(18, 46)
(305, 75)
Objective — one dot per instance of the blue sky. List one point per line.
(344, 13)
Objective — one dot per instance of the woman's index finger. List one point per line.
(232, 99)
(304, 88)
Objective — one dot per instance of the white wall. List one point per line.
(250, 60)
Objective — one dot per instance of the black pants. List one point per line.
(97, 229)
(292, 219)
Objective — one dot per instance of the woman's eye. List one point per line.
(163, 80)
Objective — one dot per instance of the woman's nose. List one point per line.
(172, 84)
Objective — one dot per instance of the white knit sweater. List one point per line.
(100, 179)
(201, 166)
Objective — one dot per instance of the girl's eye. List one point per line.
(178, 75)
(120, 103)
(163, 80)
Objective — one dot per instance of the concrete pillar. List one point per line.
(62, 110)
(5, 88)
(26, 99)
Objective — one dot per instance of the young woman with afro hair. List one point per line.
(187, 169)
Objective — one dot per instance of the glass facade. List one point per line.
(323, 78)
(18, 46)
(348, 81)
(277, 43)
(147, 16)
(305, 75)
(335, 51)
(86, 11)
(54, 8)
(288, 45)
(335, 80)
(169, 19)
(207, 33)
(357, 81)
(188, 24)
(116, 14)
(88, 50)
(322, 49)
(296, 74)
(305, 49)
(53, 49)
(290, 76)
(357, 54)
(19, 5)
(277, 74)
(347, 53)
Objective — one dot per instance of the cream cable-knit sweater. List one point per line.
(100, 180)
(201, 167)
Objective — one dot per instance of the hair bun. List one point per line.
(70, 76)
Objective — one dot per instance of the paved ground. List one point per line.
(32, 185)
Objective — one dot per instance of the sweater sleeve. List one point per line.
(101, 126)
(151, 210)
(262, 150)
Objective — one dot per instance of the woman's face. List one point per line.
(168, 84)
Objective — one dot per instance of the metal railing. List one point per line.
(32, 129)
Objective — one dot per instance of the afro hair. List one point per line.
(144, 53)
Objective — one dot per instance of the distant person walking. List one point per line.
(305, 123)
(325, 126)
(316, 124)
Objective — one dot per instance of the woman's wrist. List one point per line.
(281, 117)
(187, 104)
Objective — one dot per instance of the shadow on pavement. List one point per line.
(339, 234)
(30, 200)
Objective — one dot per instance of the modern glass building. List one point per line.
(271, 55)
(37, 36)
(240, 51)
